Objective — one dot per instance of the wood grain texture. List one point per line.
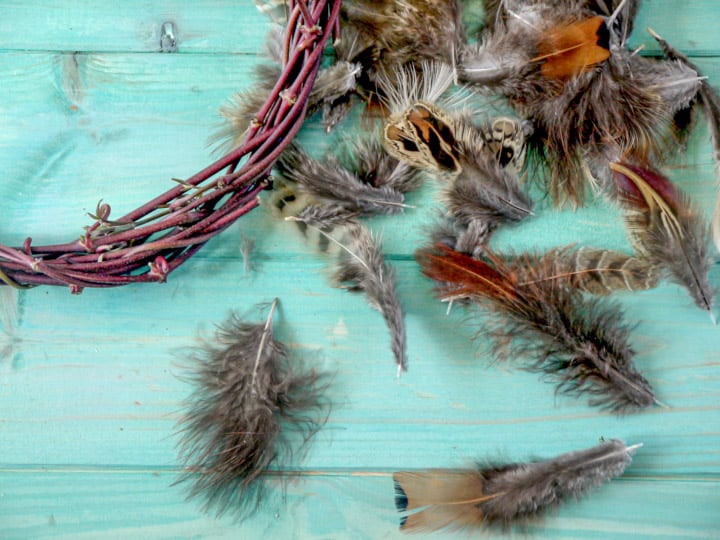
(90, 385)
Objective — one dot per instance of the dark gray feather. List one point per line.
(249, 398)
(362, 267)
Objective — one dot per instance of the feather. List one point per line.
(372, 164)
(582, 343)
(666, 229)
(249, 397)
(503, 495)
(598, 271)
(485, 191)
(385, 34)
(569, 49)
(710, 103)
(330, 182)
(361, 267)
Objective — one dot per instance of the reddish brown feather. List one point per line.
(570, 49)
(630, 179)
(461, 276)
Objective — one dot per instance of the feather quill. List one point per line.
(503, 495)
(361, 267)
(249, 397)
(582, 343)
(666, 229)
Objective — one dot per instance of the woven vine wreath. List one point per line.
(154, 239)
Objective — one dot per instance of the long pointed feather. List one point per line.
(596, 271)
(362, 267)
(581, 343)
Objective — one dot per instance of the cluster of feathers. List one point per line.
(590, 114)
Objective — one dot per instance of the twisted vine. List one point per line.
(150, 242)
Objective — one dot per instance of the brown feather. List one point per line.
(444, 499)
(460, 276)
(596, 271)
(569, 49)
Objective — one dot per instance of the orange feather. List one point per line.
(460, 275)
(570, 49)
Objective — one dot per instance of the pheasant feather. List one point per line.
(503, 495)
(581, 343)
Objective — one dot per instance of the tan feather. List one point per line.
(443, 498)
(597, 271)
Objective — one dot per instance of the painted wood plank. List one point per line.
(122, 503)
(134, 25)
(89, 385)
(212, 26)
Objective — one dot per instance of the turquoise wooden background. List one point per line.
(90, 385)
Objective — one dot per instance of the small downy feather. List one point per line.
(370, 162)
(580, 342)
(503, 495)
(362, 267)
(709, 101)
(332, 183)
(666, 229)
(252, 407)
(486, 193)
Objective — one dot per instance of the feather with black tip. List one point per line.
(362, 267)
(252, 406)
(666, 229)
(580, 342)
(503, 495)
